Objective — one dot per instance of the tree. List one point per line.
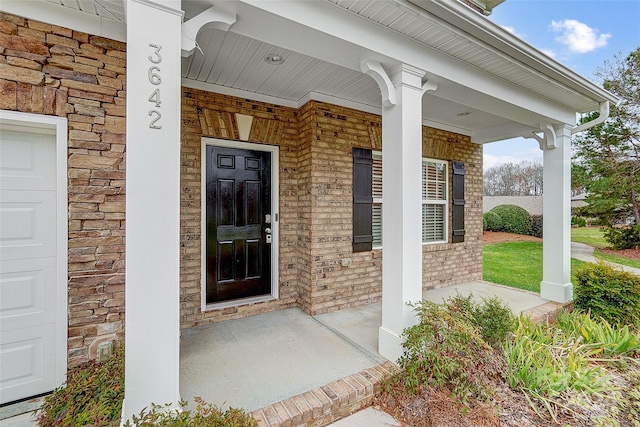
(514, 179)
(609, 154)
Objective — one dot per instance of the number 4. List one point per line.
(155, 97)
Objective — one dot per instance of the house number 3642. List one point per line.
(155, 79)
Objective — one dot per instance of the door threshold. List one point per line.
(239, 302)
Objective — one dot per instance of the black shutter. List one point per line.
(457, 188)
(362, 200)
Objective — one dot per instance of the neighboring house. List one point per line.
(255, 133)
(579, 201)
(532, 204)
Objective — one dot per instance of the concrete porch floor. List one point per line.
(291, 369)
(268, 363)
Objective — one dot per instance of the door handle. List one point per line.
(267, 230)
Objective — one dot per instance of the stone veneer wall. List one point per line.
(51, 70)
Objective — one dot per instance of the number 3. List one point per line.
(157, 53)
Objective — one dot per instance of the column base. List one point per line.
(389, 344)
(557, 292)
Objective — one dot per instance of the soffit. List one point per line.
(108, 9)
(430, 31)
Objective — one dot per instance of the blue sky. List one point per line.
(581, 34)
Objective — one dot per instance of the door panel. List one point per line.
(238, 258)
(28, 266)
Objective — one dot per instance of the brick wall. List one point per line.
(51, 70)
(451, 263)
(333, 287)
(316, 144)
(213, 115)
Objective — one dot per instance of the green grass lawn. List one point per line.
(591, 236)
(516, 264)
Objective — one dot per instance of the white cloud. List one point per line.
(579, 37)
(549, 52)
(511, 30)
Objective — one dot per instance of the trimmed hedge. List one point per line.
(627, 237)
(606, 292)
(514, 219)
(493, 220)
(536, 226)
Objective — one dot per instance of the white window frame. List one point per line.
(444, 202)
(377, 201)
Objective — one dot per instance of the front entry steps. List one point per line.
(328, 403)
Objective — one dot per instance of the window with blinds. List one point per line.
(434, 200)
(376, 190)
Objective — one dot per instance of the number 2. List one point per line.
(153, 125)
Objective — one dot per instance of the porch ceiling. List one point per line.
(322, 61)
(233, 61)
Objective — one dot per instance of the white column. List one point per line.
(152, 334)
(401, 209)
(556, 253)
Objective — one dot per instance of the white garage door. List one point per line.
(28, 264)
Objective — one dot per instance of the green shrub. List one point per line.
(536, 226)
(578, 221)
(514, 218)
(205, 415)
(447, 350)
(494, 222)
(495, 320)
(611, 294)
(484, 224)
(92, 396)
(627, 237)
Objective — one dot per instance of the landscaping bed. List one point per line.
(626, 253)
(578, 372)
(489, 237)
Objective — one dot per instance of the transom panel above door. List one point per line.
(239, 223)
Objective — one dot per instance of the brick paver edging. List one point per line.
(328, 403)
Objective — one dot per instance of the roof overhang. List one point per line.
(491, 84)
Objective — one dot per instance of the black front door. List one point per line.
(238, 206)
